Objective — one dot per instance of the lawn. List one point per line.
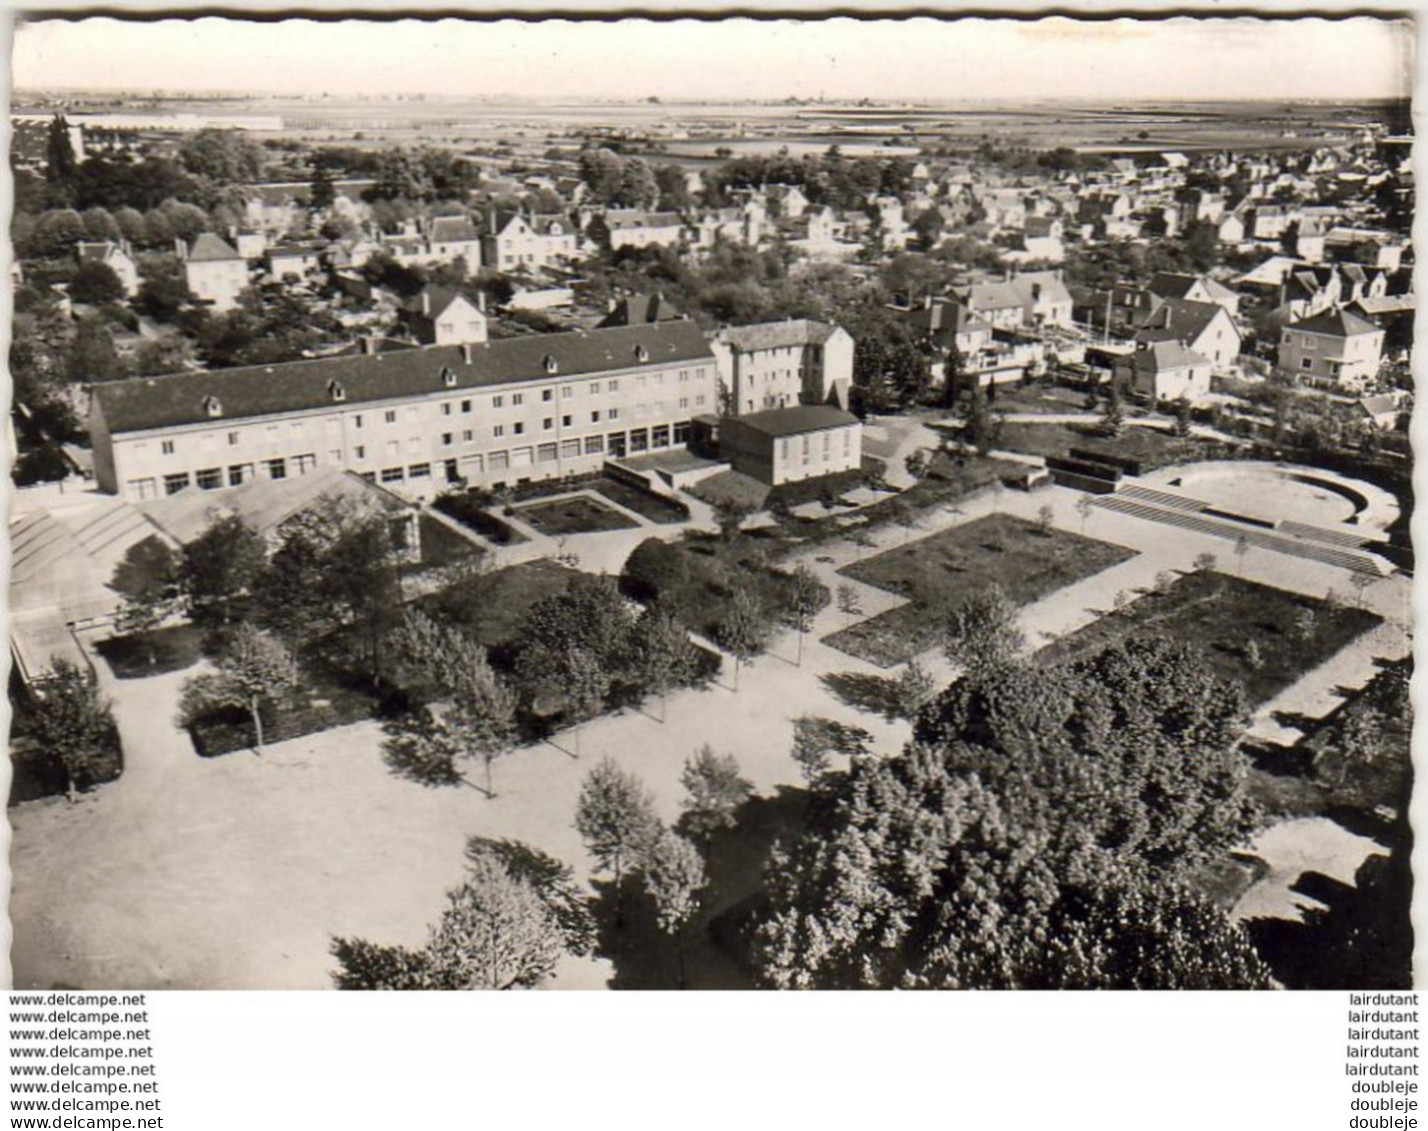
(143, 654)
(492, 606)
(1026, 561)
(442, 546)
(1153, 447)
(1221, 615)
(644, 503)
(578, 514)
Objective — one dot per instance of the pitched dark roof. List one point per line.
(297, 386)
(1178, 319)
(452, 229)
(1170, 284)
(639, 310)
(794, 421)
(1159, 356)
(208, 247)
(777, 335)
(1339, 323)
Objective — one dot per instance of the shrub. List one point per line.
(653, 567)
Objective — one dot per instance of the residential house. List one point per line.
(114, 255)
(442, 316)
(516, 240)
(633, 227)
(1333, 347)
(1194, 288)
(1204, 327)
(214, 270)
(1164, 371)
(639, 310)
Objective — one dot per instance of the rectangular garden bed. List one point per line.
(934, 572)
(1221, 615)
(578, 514)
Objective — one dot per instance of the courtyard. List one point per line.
(236, 872)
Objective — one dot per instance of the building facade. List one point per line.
(417, 421)
(780, 364)
(1333, 347)
(785, 445)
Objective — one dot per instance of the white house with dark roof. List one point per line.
(1165, 371)
(443, 316)
(1204, 327)
(214, 270)
(115, 256)
(778, 364)
(1194, 288)
(1332, 347)
(414, 420)
(517, 239)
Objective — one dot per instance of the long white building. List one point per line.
(417, 420)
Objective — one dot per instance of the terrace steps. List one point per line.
(1312, 551)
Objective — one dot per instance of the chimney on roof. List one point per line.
(426, 302)
(369, 345)
(481, 301)
(466, 352)
(180, 248)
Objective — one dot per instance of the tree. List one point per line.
(729, 514)
(714, 790)
(1046, 520)
(1113, 417)
(92, 355)
(743, 629)
(663, 655)
(1084, 506)
(1242, 549)
(674, 874)
(224, 156)
(807, 596)
(850, 604)
(1360, 583)
(254, 669)
(61, 166)
(654, 567)
(553, 881)
(616, 819)
(1033, 835)
(1182, 418)
(369, 966)
(586, 684)
(816, 738)
(474, 713)
(1206, 563)
(95, 283)
(1306, 624)
(1254, 656)
(982, 632)
(321, 191)
(71, 724)
(222, 563)
(918, 463)
(497, 933)
(147, 578)
(915, 688)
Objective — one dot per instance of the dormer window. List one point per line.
(641, 354)
(550, 364)
(448, 378)
(213, 406)
(336, 391)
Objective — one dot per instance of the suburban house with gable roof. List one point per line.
(115, 256)
(1204, 327)
(443, 316)
(214, 270)
(518, 239)
(1333, 347)
(1194, 288)
(1164, 371)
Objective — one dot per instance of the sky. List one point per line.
(918, 59)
